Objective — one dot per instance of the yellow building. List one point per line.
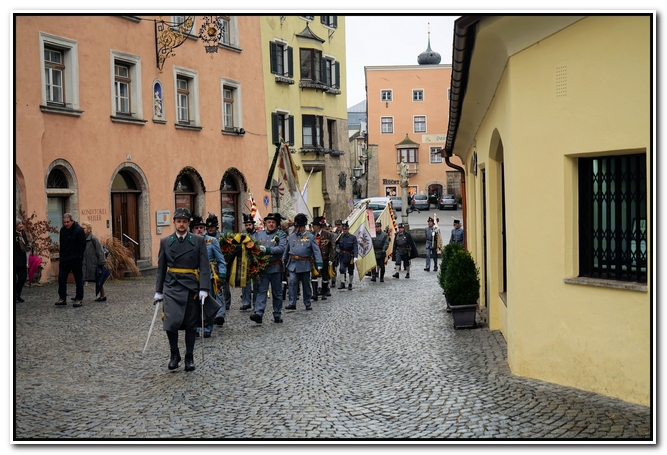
(552, 116)
(303, 61)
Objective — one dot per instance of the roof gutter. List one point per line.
(465, 29)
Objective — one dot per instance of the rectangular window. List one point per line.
(387, 124)
(612, 218)
(436, 157)
(282, 126)
(420, 123)
(329, 21)
(331, 134)
(122, 86)
(418, 95)
(311, 65)
(312, 131)
(223, 23)
(228, 107)
(183, 99)
(281, 59)
(54, 69)
(409, 155)
(385, 95)
(181, 23)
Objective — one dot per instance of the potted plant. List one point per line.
(119, 259)
(461, 285)
(41, 245)
(447, 253)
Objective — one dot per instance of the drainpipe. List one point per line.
(463, 195)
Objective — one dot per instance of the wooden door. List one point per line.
(124, 211)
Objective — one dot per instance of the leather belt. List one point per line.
(299, 258)
(346, 252)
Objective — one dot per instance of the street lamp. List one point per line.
(356, 173)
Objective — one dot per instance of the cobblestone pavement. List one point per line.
(380, 361)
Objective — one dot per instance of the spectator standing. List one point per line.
(72, 250)
(21, 251)
(93, 258)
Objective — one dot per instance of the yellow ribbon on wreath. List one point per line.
(241, 269)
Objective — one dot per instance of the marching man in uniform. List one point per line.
(432, 233)
(380, 245)
(404, 250)
(348, 251)
(325, 242)
(301, 246)
(457, 233)
(183, 281)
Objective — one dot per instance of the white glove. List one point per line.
(202, 296)
(355, 260)
(319, 269)
(158, 296)
(262, 248)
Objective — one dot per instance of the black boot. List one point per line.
(189, 362)
(314, 296)
(175, 359)
(381, 275)
(325, 290)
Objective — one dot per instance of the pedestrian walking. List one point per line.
(457, 233)
(301, 246)
(348, 252)
(183, 281)
(380, 246)
(224, 292)
(218, 269)
(93, 260)
(72, 249)
(249, 292)
(271, 241)
(404, 250)
(324, 241)
(431, 232)
(21, 251)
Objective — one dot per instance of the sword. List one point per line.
(202, 331)
(157, 305)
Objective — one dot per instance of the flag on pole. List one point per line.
(438, 236)
(387, 221)
(254, 213)
(360, 228)
(290, 201)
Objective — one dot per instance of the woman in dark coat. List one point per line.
(92, 258)
(21, 249)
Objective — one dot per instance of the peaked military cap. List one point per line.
(182, 212)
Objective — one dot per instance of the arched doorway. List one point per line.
(125, 211)
(233, 189)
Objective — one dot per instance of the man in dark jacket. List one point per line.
(380, 245)
(404, 250)
(348, 254)
(325, 242)
(72, 249)
(183, 280)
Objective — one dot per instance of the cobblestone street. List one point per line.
(382, 361)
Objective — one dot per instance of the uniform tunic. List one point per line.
(271, 276)
(181, 308)
(457, 236)
(348, 249)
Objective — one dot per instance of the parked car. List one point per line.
(396, 203)
(377, 204)
(447, 201)
(420, 202)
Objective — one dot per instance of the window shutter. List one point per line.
(274, 129)
(324, 77)
(290, 62)
(335, 22)
(323, 19)
(273, 52)
(291, 130)
(337, 84)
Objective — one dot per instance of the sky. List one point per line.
(381, 40)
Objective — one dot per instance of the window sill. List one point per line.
(60, 110)
(230, 47)
(181, 126)
(333, 91)
(231, 132)
(314, 85)
(626, 285)
(284, 80)
(160, 121)
(130, 120)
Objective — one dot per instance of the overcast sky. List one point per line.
(391, 40)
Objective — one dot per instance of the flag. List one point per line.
(290, 201)
(360, 228)
(438, 236)
(254, 213)
(386, 219)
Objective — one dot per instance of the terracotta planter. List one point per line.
(464, 316)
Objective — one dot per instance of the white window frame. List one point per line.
(414, 123)
(332, 70)
(193, 89)
(388, 92)
(329, 22)
(70, 50)
(435, 158)
(133, 62)
(237, 105)
(420, 93)
(390, 123)
(284, 124)
(285, 60)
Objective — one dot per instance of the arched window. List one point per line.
(185, 193)
(228, 204)
(56, 179)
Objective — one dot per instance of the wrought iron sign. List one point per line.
(170, 35)
(210, 33)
